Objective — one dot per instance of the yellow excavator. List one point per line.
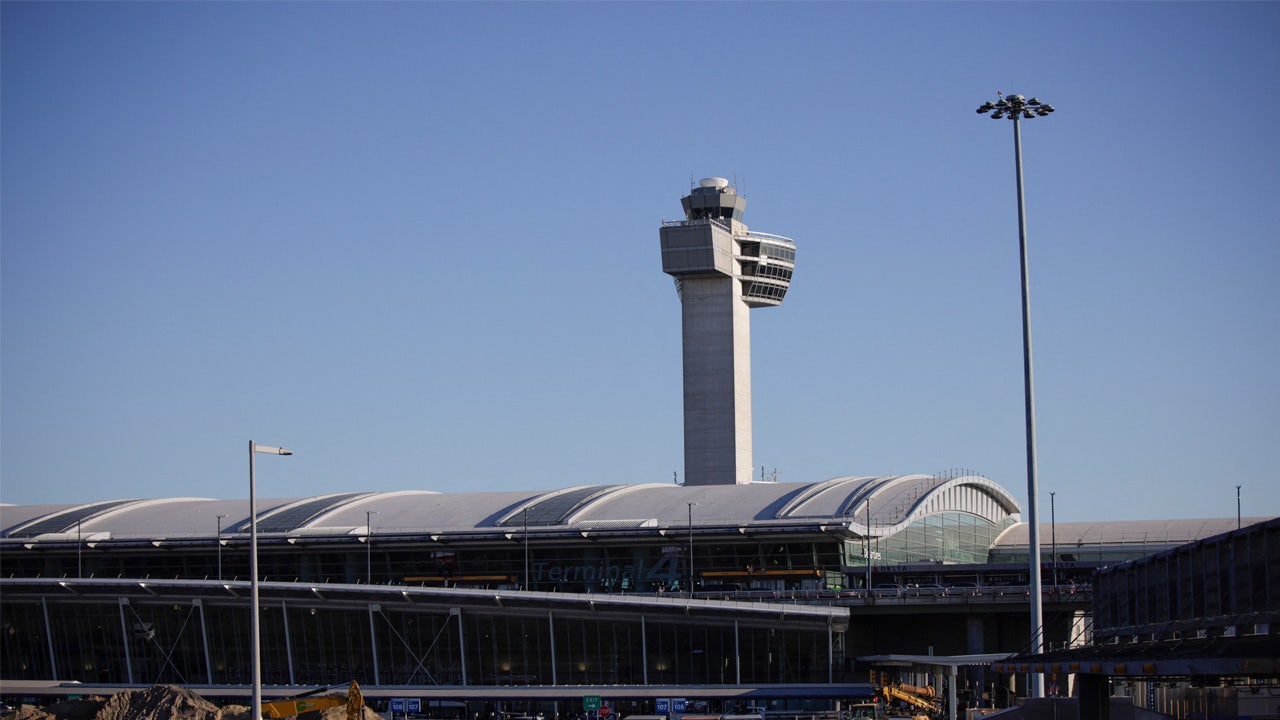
(922, 700)
(305, 703)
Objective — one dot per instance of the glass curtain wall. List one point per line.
(163, 642)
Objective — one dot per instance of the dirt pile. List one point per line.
(160, 702)
(82, 709)
(340, 713)
(27, 712)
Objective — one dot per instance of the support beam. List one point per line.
(288, 641)
(551, 632)
(124, 635)
(644, 650)
(373, 644)
(462, 646)
(737, 655)
(48, 634)
(204, 642)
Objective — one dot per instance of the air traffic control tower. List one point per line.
(722, 270)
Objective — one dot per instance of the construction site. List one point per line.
(171, 702)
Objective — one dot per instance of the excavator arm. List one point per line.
(291, 707)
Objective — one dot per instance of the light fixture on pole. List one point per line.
(255, 710)
(1239, 518)
(218, 539)
(526, 548)
(1018, 108)
(368, 545)
(79, 552)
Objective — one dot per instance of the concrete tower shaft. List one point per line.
(722, 269)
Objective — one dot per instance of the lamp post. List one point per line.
(868, 551)
(526, 548)
(255, 710)
(1239, 519)
(79, 552)
(218, 539)
(368, 545)
(1053, 534)
(691, 504)
(1018, 108)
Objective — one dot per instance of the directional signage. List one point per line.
(397, 705)
(679, 705)
(591, 703)
(662, 706)
(413, 705)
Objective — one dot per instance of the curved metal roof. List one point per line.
(1121, 533)
(837, 504)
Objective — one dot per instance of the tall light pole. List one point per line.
(1239, 518)
(219, 541)
(368, 545)
(526, 548)
(255, 710)
(80, 551)
(868, 547)
(1018, 108)
(691, 504)
(1053, 533)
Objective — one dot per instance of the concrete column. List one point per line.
(975, 644)
(951, 692)
(1095, 697)
(462, 645)
(717, 382)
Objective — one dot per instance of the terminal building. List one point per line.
(724, 592)
(719, 589)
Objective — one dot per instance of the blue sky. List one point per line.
(417, 243)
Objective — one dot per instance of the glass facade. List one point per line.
(199, 641)
(948, 537)
(324, 624)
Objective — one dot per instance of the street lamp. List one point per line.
(1239, 519)
(691, 504)
(368, 542)
(219, 541)
(526, 548)
(1053, 533)
(868, 544)
(1018, 108)
(255, 710)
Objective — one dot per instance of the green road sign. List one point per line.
(591, 702)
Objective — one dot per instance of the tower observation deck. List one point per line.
(722, 270)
